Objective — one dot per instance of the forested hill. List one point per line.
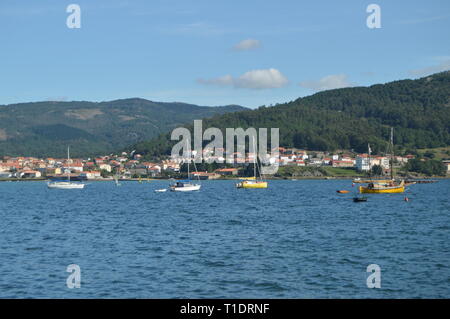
(46, 128)
(349, 118)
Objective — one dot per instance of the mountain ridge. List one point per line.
(348, 118)
(45, 128)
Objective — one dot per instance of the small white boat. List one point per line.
(65, 185)
(116, 180)
(160, 190)
(184, 186)
(187, 185)
(68, 184)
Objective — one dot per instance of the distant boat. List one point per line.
(375, 188)
(366, 181)
(116, 180)
(68, 184)
(186, 185)
(253, 182)
(359, 199)
(386, 186)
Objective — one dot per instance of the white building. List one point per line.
(91, 175)
(382, 161)
(362, 163)
(5, 174)
(105, 167)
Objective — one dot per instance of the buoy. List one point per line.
(406, 199)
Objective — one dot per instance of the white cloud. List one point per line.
(248, 44)
(329, 82)
(444, 65)
(255, 79)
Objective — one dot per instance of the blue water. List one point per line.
(297, 239)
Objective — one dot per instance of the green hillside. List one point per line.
(46, 128)
(349, 118)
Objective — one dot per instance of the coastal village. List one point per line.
(133, 166)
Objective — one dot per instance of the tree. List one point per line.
(376, 170)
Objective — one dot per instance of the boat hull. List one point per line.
(252, 185)
(65, 185)
(384, 190)
(185, 188)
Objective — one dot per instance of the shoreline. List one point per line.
(218, 179)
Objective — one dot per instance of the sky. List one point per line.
(214, 52)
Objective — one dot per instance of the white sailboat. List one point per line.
(187, 185)
(68, 184)
(116, 180)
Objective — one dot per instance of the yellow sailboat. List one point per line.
(386, 186)
(253, 182)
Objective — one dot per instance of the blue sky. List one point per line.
(214, 52)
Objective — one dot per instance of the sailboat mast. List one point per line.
(68, 163)
(254, 167)
(189, 160)
(369, 151)
(392, 153)
(254, 158)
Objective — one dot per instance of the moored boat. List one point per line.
(375, 188)
(253, 182)
(184, 186)
(385, 186)
(365, 181)
(64, 184)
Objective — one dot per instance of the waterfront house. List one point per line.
(447, 165)
(227, 171)
(382, 161)
(154, 171)
(75, 166)
(300, 162)
(105, 167)
(343, 163)
(53, 171)
(315, 162)
(138, 171)
(5, 175)
(29, 174)
(203, 175)
(362, 162)
(90, 175)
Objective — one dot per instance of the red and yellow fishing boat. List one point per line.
(387, 186)
(390, 188)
